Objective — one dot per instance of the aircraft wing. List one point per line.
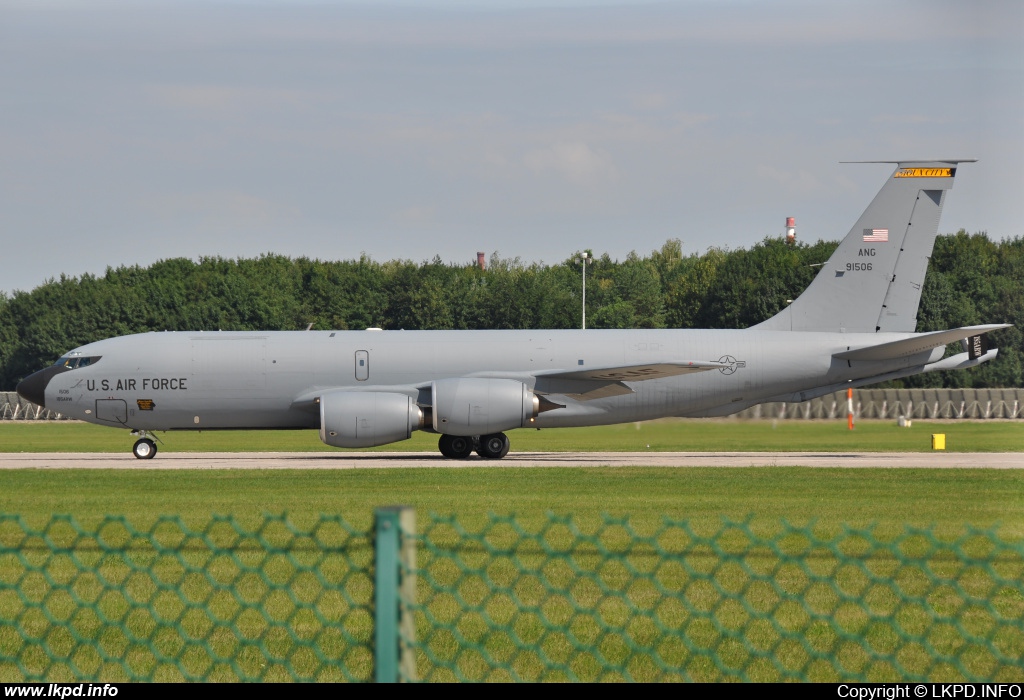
(602, 382)
(918, 343)
(635, 373)
(582, 385)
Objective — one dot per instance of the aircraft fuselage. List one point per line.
(261, 380)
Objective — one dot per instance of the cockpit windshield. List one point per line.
(75, 361)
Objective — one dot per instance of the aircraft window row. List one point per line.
(76, 362)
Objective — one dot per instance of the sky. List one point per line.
(137, 131)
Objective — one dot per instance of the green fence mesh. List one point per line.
(170, 602)
(510, 598)
(556, 603)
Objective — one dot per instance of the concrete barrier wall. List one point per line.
(890, 404)
(867, 403)
(13, 407)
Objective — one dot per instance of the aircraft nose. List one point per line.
(33, 387)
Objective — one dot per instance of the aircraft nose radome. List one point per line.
(33, 387)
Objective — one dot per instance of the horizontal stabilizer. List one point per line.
(634, 373)
(917, 344)
(960, 361)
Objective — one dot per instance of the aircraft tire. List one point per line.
(144, 449)
(455, 446)
(493, 446)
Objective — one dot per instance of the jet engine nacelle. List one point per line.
(367, 418)
(478, 406)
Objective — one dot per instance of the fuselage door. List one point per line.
(362, 365)
(113, 410)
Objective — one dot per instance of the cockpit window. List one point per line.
(76, 361)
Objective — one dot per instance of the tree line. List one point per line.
(971, 280)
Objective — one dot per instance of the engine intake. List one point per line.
(480, 406)
(367, 418)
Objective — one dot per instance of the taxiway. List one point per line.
(405, 460)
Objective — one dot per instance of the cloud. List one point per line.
(416, 215)
(222, 99)
(203, 24)
(649, 100)
(218, 209)
(909, 119)
(795, 181)
(574, 160)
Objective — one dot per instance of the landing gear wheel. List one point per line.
(455, 446)
(493, 446)
(144, 449)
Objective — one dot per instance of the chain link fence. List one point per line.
(680, 603)
(508, 599)
(170, 602)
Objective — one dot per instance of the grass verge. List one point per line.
(690, 435)
(946, 498)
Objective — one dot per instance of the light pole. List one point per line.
(585, 258)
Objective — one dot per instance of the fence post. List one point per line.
(394, 594)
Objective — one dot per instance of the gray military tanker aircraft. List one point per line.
(853, 326)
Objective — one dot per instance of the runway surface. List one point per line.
(405, 460)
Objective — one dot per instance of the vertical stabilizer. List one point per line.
(873, 280)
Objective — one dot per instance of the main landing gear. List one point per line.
(493, 446)
(144, 448)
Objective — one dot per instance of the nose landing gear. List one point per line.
(493, 446)
(144, 448)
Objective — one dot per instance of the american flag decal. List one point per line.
(876, 235)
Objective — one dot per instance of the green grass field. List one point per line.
(885, 501)
(720, 435)
(948, 502)
(920, 496)
(949, 499)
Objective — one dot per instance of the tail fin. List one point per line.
(872, 283)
